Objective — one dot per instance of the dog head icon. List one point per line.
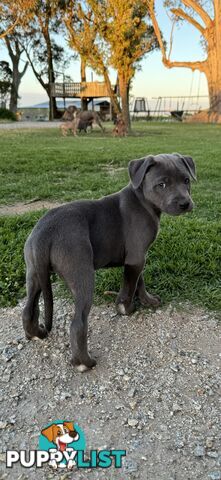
(61, 434)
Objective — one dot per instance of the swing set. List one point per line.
(173, 107)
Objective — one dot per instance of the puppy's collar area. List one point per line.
(146, 204)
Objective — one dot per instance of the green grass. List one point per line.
(183, 264)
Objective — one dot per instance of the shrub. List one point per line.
(6, 114)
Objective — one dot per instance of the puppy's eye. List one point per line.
(59, 433)
(187, 180)
(162, 185)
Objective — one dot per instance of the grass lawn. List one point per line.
(184, 263)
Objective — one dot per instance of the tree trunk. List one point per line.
(15, 53)
(13, 105)
(214, 88)
(213, 70)
(84, 102)
(124, 94)
(213, 74)
(53, 113)
(113, 98)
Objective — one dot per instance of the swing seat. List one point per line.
(177, 114)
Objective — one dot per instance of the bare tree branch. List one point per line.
(171, 38)
(180, 13)
(166, 61)
(38, 76)
(8, 44)
(192, 65)
(156, 28)
(194, 4)
(24, 69)
(9, 29)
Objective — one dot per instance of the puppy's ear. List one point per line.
(48, 433)
(189, 164)
(139, 168)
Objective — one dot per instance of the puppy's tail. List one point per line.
(43, 274)
(48, 301)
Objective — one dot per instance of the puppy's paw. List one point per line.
(149, 300)
(39, 333)
(81, 368)
(121, 309)
(124, 309)
(84, 365)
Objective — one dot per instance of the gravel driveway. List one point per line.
(29, 125)
(155, 391)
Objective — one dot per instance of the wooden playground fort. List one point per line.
(83, 90)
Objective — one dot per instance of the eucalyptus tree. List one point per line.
(43, 49)
(205, 17)
(111, 34)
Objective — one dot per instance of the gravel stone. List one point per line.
(212, 454)
(3, 425)
(199, 451)
(132, 422)
(215, 475)
(209, 442)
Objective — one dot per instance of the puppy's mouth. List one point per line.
(62, 445)
(179, 210)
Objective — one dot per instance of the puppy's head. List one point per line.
(61, 434)
(164, 180)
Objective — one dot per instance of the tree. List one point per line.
(78, 18)
(14, 19)
(43, 52)
(207, 21)
(15, 51)
(124, 26)
(112, 33)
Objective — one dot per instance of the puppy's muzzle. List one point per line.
(186, 206)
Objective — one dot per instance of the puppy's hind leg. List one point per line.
(81, 284)
(31, 310)
(79, 326)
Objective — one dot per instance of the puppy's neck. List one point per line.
(146, 204)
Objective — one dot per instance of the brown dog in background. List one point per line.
(120, 127)
(68, 127)
(74, 125)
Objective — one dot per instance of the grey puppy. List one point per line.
(80, 237)
(83, 125)
(89, 117)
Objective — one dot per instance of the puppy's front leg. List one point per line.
(146, 299)
(125, 304)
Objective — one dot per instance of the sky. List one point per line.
(153, 79)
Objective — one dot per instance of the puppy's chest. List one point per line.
(140, 234)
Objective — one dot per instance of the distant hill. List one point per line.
(60, 104)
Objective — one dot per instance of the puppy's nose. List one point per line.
(184, 205)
